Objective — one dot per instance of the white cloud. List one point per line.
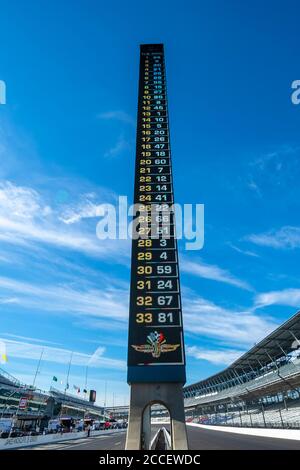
(121, 145)
(221, 356)
(108, 303)
(107, 309)
(9, 300)
(96, 356)
(279, 168)
(26, 218)
(20, 202)
(25, 350)
(286, 237)
(84, 211)
(290, 297)
(87, 207)
(254, 187)
(213, 272)
(17, 232)
(202, 317)
(118, 116)
(243, 252)
(27, 338)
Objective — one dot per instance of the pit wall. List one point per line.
(28, 441)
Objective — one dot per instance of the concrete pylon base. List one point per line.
(142, 397)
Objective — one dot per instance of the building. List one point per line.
(30, 406)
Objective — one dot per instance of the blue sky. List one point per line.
(67, 144)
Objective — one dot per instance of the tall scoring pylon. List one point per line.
(156, 359)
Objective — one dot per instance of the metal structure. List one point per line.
(156, 359)
(261, 388)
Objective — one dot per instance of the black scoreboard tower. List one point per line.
(155, 317)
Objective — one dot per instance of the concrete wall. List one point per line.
(27, 441)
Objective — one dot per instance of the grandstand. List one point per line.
(261, 388)
(41, 405)
(8, 380)
(76, 406)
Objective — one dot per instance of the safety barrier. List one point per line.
(27, 441)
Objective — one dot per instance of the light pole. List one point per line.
(37, 369)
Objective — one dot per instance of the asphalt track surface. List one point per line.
(199, 439)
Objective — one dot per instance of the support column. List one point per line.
(143, 395)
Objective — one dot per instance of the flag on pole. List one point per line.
(3, 355)
(54, 378)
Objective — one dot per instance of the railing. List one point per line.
(276, 418)
(259, 425)
(161, 440)
(10, 378)
(283, 373)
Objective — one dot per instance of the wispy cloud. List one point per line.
(94, 359)
(117, 116)
(21, 202)
(9, 300)
(108, 303)
(243, 252)
(28, 338)
(272, 170)
(120, 146)
(274, 162)
(213, 272)
(286, 237)
(107, 309)
(290, 297)
(217, 356)
(26, 350)
(236, 326)
(254, 187)
(26, 218)
(86, 208)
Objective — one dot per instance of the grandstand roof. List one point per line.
(8, 379)
(272, 347)
(67, 398)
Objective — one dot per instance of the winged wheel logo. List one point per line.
(156, 345)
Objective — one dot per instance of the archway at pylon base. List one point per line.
(142, 397)
(155, 416)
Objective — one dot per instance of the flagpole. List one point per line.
(104, 402)
(104, 405)
(86, 377)
(68, 374)
(37, 369)
(67, 383)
